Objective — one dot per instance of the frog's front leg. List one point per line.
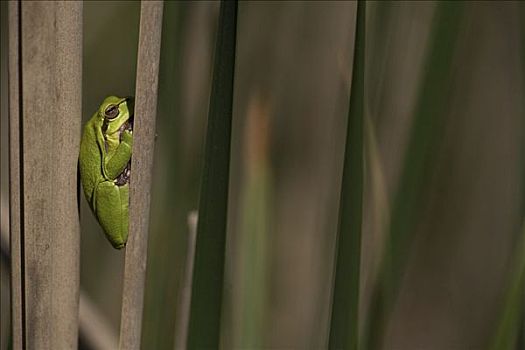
(111, 206)
(115, 163)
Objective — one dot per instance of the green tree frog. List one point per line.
(105, 166)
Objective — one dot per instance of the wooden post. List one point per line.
(141, 173)
(45, 71)
(14, 174)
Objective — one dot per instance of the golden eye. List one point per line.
(111, 112)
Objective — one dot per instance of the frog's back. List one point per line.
(90, 160)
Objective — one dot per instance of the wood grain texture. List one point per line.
(14, 175)
(141, 173)
(50, 109)
(5, 285)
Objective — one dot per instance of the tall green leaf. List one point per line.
(205, 314)
(427, 129)
(344, 324)
(509, 332)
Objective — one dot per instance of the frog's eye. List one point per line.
(111, 112)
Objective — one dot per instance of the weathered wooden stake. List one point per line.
(45, 80)
(141, 173)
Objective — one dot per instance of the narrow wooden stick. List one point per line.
(45, 101)
(14, 174)
(141, 173)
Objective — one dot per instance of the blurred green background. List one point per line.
(292, 85)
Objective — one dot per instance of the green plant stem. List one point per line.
(344, 323)
(509, 332)
(427, 129)
(205, 313)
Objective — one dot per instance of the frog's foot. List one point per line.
(112, 212)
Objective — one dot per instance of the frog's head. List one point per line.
(115, 112)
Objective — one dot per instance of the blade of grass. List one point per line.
(206, 300)
(509, 333)
(521, 338)
(250, 293)
(344, 323)
(427, 129)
